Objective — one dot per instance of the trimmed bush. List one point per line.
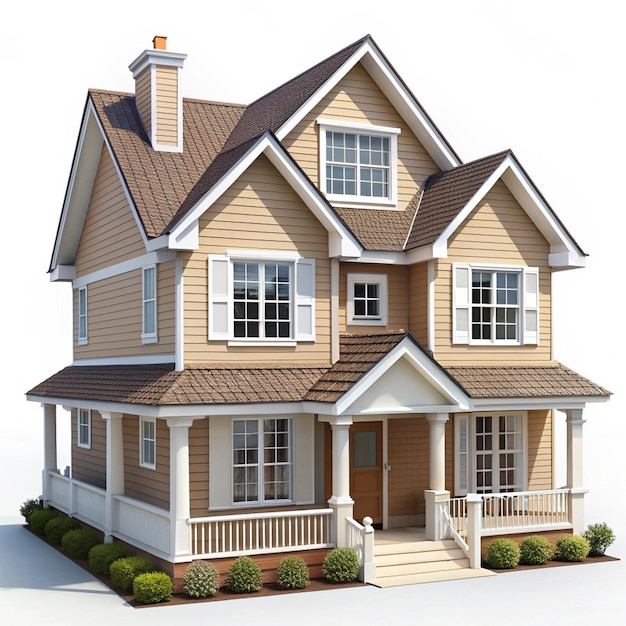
(39, 519)
(341, 565)
(572, 548)
(244, 576)
(599, 537)
(58, 526)
(502, 554)
(535, 550)
(153, 587)
(125, 570)
(103, 555)
(77, 543)
(29, 507)
(293, 573)
(200, 580)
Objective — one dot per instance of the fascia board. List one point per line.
(186, 229)
(397, 93)
(80, 184)
(522, 404)
(530, 201)
(424, 367)
(382, 257)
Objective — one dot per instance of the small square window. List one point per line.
(366, 302)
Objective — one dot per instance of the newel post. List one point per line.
(368, 566)
(474, 529)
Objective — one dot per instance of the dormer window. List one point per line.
(358, 163)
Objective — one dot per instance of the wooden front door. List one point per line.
(366, 470)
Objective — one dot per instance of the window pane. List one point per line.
(365, 452)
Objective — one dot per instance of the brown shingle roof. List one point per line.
(552, 380)
(161, 182)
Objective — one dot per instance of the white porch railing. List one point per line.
(516, 512)
(78, 499)
(141, 524)
(360, 537)
(256, 533)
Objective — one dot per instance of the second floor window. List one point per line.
(82, 315)
(149, 305)
(495, 305)
(366, 302)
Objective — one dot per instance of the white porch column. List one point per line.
(49, 446)
(114, 469)
(180, 509)
(340, 500)
(437, 492)
(575, 468)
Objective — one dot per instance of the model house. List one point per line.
(304, 319)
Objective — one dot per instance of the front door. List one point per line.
(366, 470)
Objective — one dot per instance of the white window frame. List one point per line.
(366, 320)
(368, 130)
(465, 453)
(82, 318)
(147, 461)
(149, 318)
(528, 305)
(222, 302)
(83, 429)
(260, 463)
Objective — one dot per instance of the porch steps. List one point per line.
(414, 562)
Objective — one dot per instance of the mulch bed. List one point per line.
(590, 559)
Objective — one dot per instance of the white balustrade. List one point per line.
(232, 535)
(141, 524)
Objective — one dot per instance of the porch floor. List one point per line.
(404, 556)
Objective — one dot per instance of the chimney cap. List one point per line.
(159, 42)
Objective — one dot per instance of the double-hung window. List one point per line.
(490, 453)
(261, 297)
(367, 299)
(147, 442)
(495, 305)
(261, 462)
(358, 163)
(82, 315)
(84, 428)
(149, 304)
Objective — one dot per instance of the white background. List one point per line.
(544, 78)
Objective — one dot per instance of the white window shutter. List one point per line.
(531, 305)
(461, 454)
(305, 300)
(219, 297)
(461, 291)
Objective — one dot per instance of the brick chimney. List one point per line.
(158, 95)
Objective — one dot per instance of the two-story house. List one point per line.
(302, 313)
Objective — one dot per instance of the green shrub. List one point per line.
(244, 576)
(200, 579)
(58, 526)
(125, 570)
(103, 555)
(341, 565)
(535, 550)
(572, 548)
(153, 587)
(293, 573)
(77, 543)
(599, 537)
(39, 519)
(502, 554)
(29, 507)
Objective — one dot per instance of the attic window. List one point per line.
(358, 163)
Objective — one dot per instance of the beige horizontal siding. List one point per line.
(259, 212)
(199, 468)
(151, 486)
(540, 447)
(167, 106)
(497, 232)
(114, 316)
(418, 302)
(397, 296)
(357, 99)
(110, 234)
(143, 98)
(89, 465)
(408, 454)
